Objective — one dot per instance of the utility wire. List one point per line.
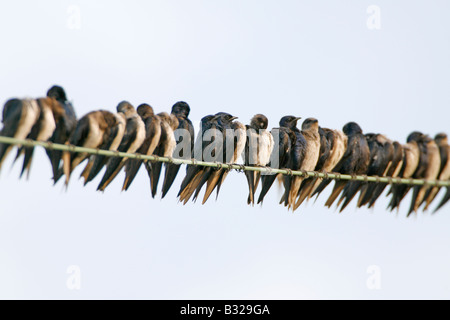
(238, 167)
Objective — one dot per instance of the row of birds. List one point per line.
(313, 148)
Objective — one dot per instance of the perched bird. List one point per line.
(225, 148)
(284, 137)
(393, 171)
(429, 166)
(181, 111)
(233, 148)
(214, 152)
(411, 158)
(19, 117)
(310, 130)
(332, 147)
(132, 140)
(50, 112)
(112, 138)
(381, 159)
(205, 145)
(296, 158)
(64, 127)
(90, 132)
(165, 148)
(444, 170)
(354, 161)
(258, 150)
(152, 136)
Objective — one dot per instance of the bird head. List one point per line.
(351, 128)
(57, 93)
(145, 110)
(126, 108)
(414, 136)
(181, 109)
(289, 121)
(310, 124)
(441, 138)
(224, 118)
(259, 121)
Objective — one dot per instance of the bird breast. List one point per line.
(95, 136)
(30, 115)
(312, 150)
(266, 148)
(121, 124)
(48, 124)
(411, 159)
(140, 135)
(241, 134)
(434, 161)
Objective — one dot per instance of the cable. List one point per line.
(238, 167)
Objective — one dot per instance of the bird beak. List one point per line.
(298, 118)
(234, 118)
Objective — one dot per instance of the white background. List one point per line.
(310, 59)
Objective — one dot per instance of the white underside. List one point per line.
(30, 114)
(48, 124)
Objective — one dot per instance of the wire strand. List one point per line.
(238, 167)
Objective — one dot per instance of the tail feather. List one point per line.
(305, 191)
(112, 169)
(171, 173)
(27, 162)
(251, 187)
(430, 196)
(444, 200)
(156, 172)
(350, 191)
(132, 167)
(211, 185)
(338, 187)
(267, 182)
(321, 187)
(97, 165)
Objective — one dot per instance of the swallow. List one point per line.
(64, 127)
(152, 137)
(132, 140)
(90, 132)
(51, 113)
(354, 161)
(410, 163)
(216, 154)
(233, 149)
(181, 111)
(444, 170)
(284, 137)
(204, 145)
(381, 159)
(165, 148)
(223, 153)
(112, 137)
(310, 131)
(19, 117)
(332, 148)
(430, 151)
(258, 150)
(296, 158)
(393, 171)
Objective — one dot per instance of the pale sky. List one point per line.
(306, 58)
